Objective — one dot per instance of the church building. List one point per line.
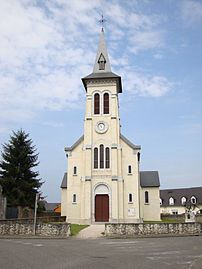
(103, 182)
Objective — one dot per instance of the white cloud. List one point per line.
(47, 47)
(146, 40)
(191, 12)
(146, 85)
(158, 56)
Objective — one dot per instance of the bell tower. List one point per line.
(101, 125)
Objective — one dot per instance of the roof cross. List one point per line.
(102, 21)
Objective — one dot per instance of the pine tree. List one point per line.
(18, 179)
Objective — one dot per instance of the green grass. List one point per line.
(76, 228)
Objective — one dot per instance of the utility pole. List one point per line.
(35, 212)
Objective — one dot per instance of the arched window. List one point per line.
(97, 103)
(183, 200)
(107, 156)
(193, 200)
(171, 201)
(106, 103)
(95, 157)
(74, 198)
(130, 198)
(146, 197)
(129, 169)
(101, 156)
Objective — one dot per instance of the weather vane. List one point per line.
(102, 21)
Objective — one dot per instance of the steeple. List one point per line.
(102, 63)
(102, 68)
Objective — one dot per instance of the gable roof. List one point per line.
(129, 143)
(177, 194)
(75, 144)
(149, 179)
(64, 181)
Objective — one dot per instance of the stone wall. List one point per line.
(9, 227)
(116, 230)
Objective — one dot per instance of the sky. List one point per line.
(47, 46)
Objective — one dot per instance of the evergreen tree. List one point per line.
(18, 179)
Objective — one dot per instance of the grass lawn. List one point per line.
(76, 228)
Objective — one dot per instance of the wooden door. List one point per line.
(102, 207)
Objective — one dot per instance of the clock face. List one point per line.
(101, 127)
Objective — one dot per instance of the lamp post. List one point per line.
(35, 212)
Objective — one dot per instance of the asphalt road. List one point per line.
(158, 253)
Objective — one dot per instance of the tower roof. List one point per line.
(102, 67)
(102, 56)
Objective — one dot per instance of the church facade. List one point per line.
(103, 182)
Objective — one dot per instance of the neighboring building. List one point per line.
(52, 207)
(104, 183)
(2, 205)
(175, 201)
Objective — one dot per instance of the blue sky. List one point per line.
(46, 47)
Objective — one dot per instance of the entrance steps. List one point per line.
(93, 231)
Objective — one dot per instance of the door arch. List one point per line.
(101, 203)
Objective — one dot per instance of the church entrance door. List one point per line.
(102, 207)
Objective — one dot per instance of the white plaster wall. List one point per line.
(151, 211)
(63, 202)
(180, 209)
(131, 183)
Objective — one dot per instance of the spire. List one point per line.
(102, 64)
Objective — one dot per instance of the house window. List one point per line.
(107, 162)
(183, 200)
(95, 158)
(106, 103)
(130, 198)
(129, 169)
(161, 202)
(146, 197)
(171, 201)
(74, 198)
(75, 170)
(193, 200)
(175, 212)
(101, 156)
(97, 103)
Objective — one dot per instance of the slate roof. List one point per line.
(103, 76)
(177, 194)
(102, 73)
(51, 206)
(75, 144)
(149, 179)
(102, 50)
(64, 181)
(128, 142)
